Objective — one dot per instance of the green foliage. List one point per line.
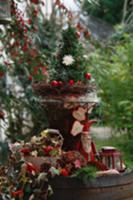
(113, 69)
(109, 10)
(31, 50)
(86, 173)
(70, 46)
(2, 68)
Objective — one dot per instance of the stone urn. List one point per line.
(67, 109)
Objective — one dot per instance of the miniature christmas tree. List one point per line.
(70, 64)
(68, 71)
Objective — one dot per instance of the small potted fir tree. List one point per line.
(67, 94)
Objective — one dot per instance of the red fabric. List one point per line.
(93, 147)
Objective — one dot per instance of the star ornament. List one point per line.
(68, 60)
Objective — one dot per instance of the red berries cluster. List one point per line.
(71, 82)
(80, 29)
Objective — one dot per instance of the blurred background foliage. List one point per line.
(111, 64)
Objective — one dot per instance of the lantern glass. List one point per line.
(118, 163)
(5, 11)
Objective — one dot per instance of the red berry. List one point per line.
(87, 34)
(64, 172)
(35, 1)
(29, 21)
(30, 78)
(54, 83)
(35, 12)
(88, 76)
(71, 82)
(48, 149)
(25, 47)
(1, 74)
(25, 150)
(79, 27)
(60, 83)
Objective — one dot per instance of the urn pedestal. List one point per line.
(67, 109)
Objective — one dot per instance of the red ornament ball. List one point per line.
(54, 83)
(88, 76)
(60, 83)
(71, 82)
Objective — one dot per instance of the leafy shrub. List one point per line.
(86, 173)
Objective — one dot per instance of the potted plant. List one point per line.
(68, 93)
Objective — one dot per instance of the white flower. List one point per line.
(68, 60)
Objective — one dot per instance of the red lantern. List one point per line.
(5, 12)
(112, 158)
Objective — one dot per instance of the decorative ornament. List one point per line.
(71, 82)
(31, 168)
(60, 83)
(48, 149)
(76, 128)
(44, 133)
(64, 172)
(54, 83)
(86, 142)
(80, 114)
(68, 60)
(88, 76)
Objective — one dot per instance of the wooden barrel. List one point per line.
(112, 187)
